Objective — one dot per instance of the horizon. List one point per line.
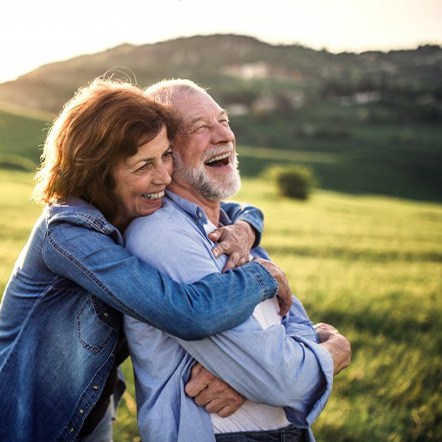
(37, 32)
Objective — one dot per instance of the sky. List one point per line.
(36, 32)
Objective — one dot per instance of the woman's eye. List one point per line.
(144, 167)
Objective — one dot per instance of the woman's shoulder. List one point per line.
(78, 212)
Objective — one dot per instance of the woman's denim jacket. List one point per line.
(61, 316)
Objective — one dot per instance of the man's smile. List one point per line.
(219, 160)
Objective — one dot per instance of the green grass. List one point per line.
(370, 265)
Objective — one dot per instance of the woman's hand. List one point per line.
(212, 393)
(284, 295)
(236, 241)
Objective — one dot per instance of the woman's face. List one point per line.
(141, 180)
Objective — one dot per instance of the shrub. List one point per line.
(293, 181)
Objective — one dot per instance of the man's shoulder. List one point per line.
(168, 212)
(166, 220)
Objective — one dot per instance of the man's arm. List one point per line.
(268, 366)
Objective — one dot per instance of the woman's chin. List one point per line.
(151, 207)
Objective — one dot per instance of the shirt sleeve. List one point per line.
(105, 269)
(251, 214)
(267, 366)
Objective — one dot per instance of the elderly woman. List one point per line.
(107, 159)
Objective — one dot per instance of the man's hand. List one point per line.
(236, 241)
(337, 345)
(284, 295)
(212, 393)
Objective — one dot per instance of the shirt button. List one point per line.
(106, 314)
(81, 411)
(95, 387)
(72, 429)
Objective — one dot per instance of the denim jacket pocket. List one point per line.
(93, 331)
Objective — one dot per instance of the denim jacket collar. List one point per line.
(80, 212)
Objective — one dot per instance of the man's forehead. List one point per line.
(193, 112)
(196, 102)
(200, 114)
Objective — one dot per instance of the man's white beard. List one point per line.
(215, 188)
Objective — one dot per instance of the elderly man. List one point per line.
(282, 365)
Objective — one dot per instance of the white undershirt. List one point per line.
(252, 416)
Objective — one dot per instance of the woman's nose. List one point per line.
(162, 175)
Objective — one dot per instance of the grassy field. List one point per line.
(372, 266)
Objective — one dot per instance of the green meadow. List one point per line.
(370, 265)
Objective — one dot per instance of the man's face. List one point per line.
(205, 151)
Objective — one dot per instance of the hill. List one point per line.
(376, 114)
(242, 69)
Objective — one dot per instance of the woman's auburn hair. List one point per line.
(105, 122)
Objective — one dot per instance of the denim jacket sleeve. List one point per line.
(104, 268)
(251, 214)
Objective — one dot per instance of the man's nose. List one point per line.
(222, 134)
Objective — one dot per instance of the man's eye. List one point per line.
(200, 128)
(168, 154)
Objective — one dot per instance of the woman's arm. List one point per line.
(190, 311)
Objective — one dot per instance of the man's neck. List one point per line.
(186, 191)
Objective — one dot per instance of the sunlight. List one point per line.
(41, 32)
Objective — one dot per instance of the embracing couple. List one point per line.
(218, 355)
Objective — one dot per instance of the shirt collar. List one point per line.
(196, 212)
(193, 210)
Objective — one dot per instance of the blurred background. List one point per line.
(351, 90)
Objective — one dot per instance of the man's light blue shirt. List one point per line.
(281, 366)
